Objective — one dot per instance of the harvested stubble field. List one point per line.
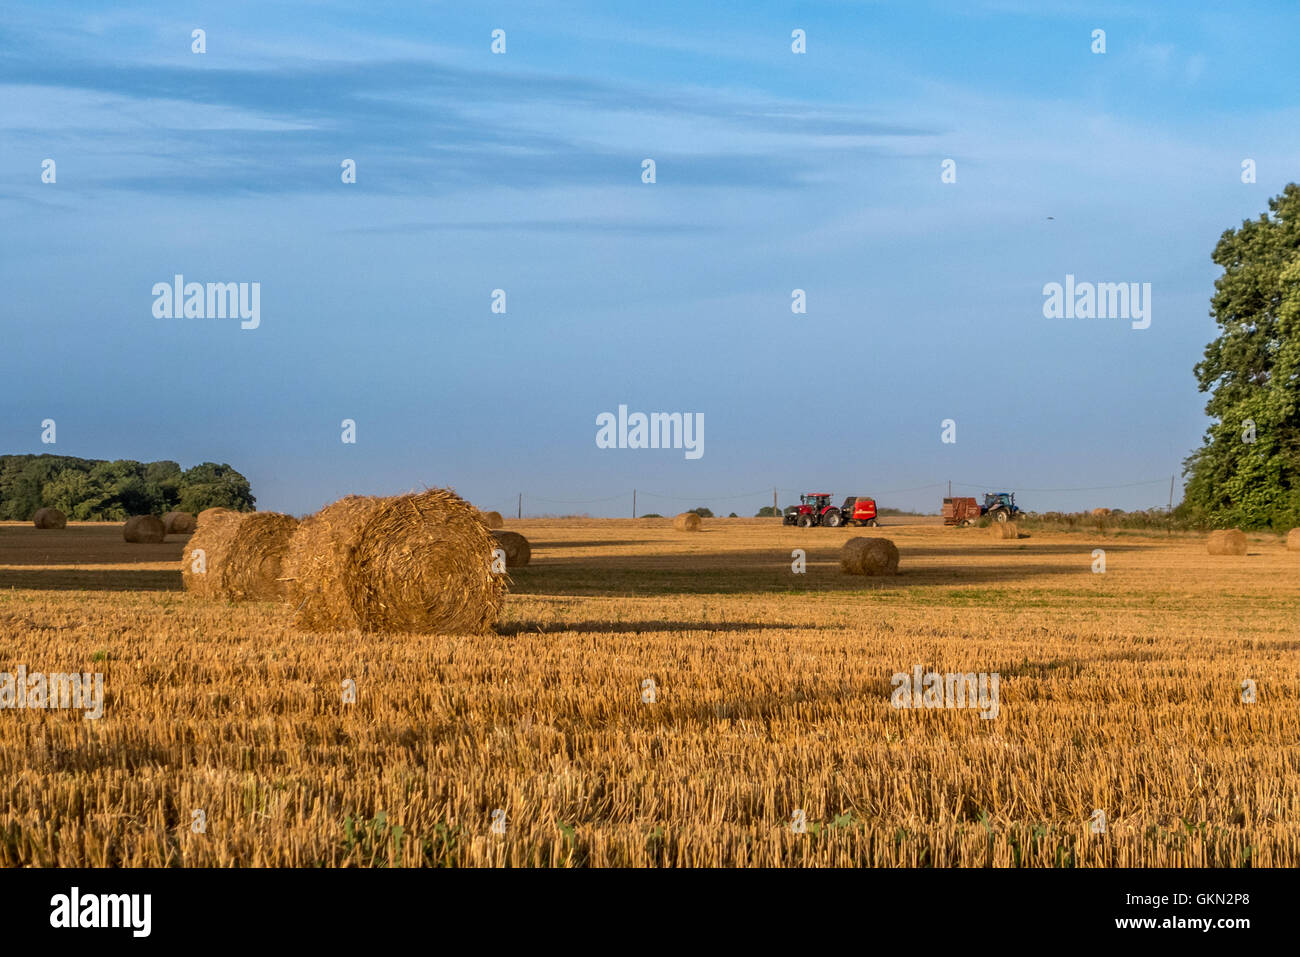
(1118, 691)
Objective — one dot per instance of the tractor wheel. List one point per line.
(832, 518)
(873, 523)
(805, 521)
(1000, 515)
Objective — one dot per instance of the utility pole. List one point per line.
(520, 513)
(634, 503)
(775, 509)
(950, 488)
(1171, 493)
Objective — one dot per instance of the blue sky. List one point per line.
(522, 171)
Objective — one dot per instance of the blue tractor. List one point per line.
(1000, 506)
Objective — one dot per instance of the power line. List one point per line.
(574, 501)
(1080, 488)
(918, 488)
(684, 498)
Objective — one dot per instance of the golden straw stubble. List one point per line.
(410, 563)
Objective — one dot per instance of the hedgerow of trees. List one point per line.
(93, 489)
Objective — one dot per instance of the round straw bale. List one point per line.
(492, 519)
(49, 518)
(204, 556)
(318, 558)
(144, 530)
(414, 563)
(869, 556)
(179, 523)
(687, 522)
(209, 514)
(1227, 541)
(253, 566)
(239, 557)
(1293, 540)
(1003, 530)
(518, 551)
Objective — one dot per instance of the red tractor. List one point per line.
(816, 509)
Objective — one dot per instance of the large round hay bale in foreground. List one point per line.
(518, 551)
(492, 519)
(687, 522)
(869, 556)
(1293, 540)
(144, 530)
(414, 563)
(239, 557)
(49, 518)
(1004, 530)
(1227, 541)
(211, 514)
(179, 523)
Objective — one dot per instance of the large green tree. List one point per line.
(1248, 470)
(214, 486)
(91, 489)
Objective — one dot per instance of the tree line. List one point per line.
(1247, 472)
(95, 489)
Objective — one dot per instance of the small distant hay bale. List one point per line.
(1004, 530)
(239, 557)
(518, 551)
(869, 556)
(144, 530)
(49, 518)
(687, 522)
(211, 514)
(492, 519)
(179, 523)
(411, 563)
(1227, 541)
(1293, 540)
(1101, 511)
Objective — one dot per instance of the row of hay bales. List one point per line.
(137, 529)
(879, 556)
(1232, 541)
(415, 563)
(150, 529)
